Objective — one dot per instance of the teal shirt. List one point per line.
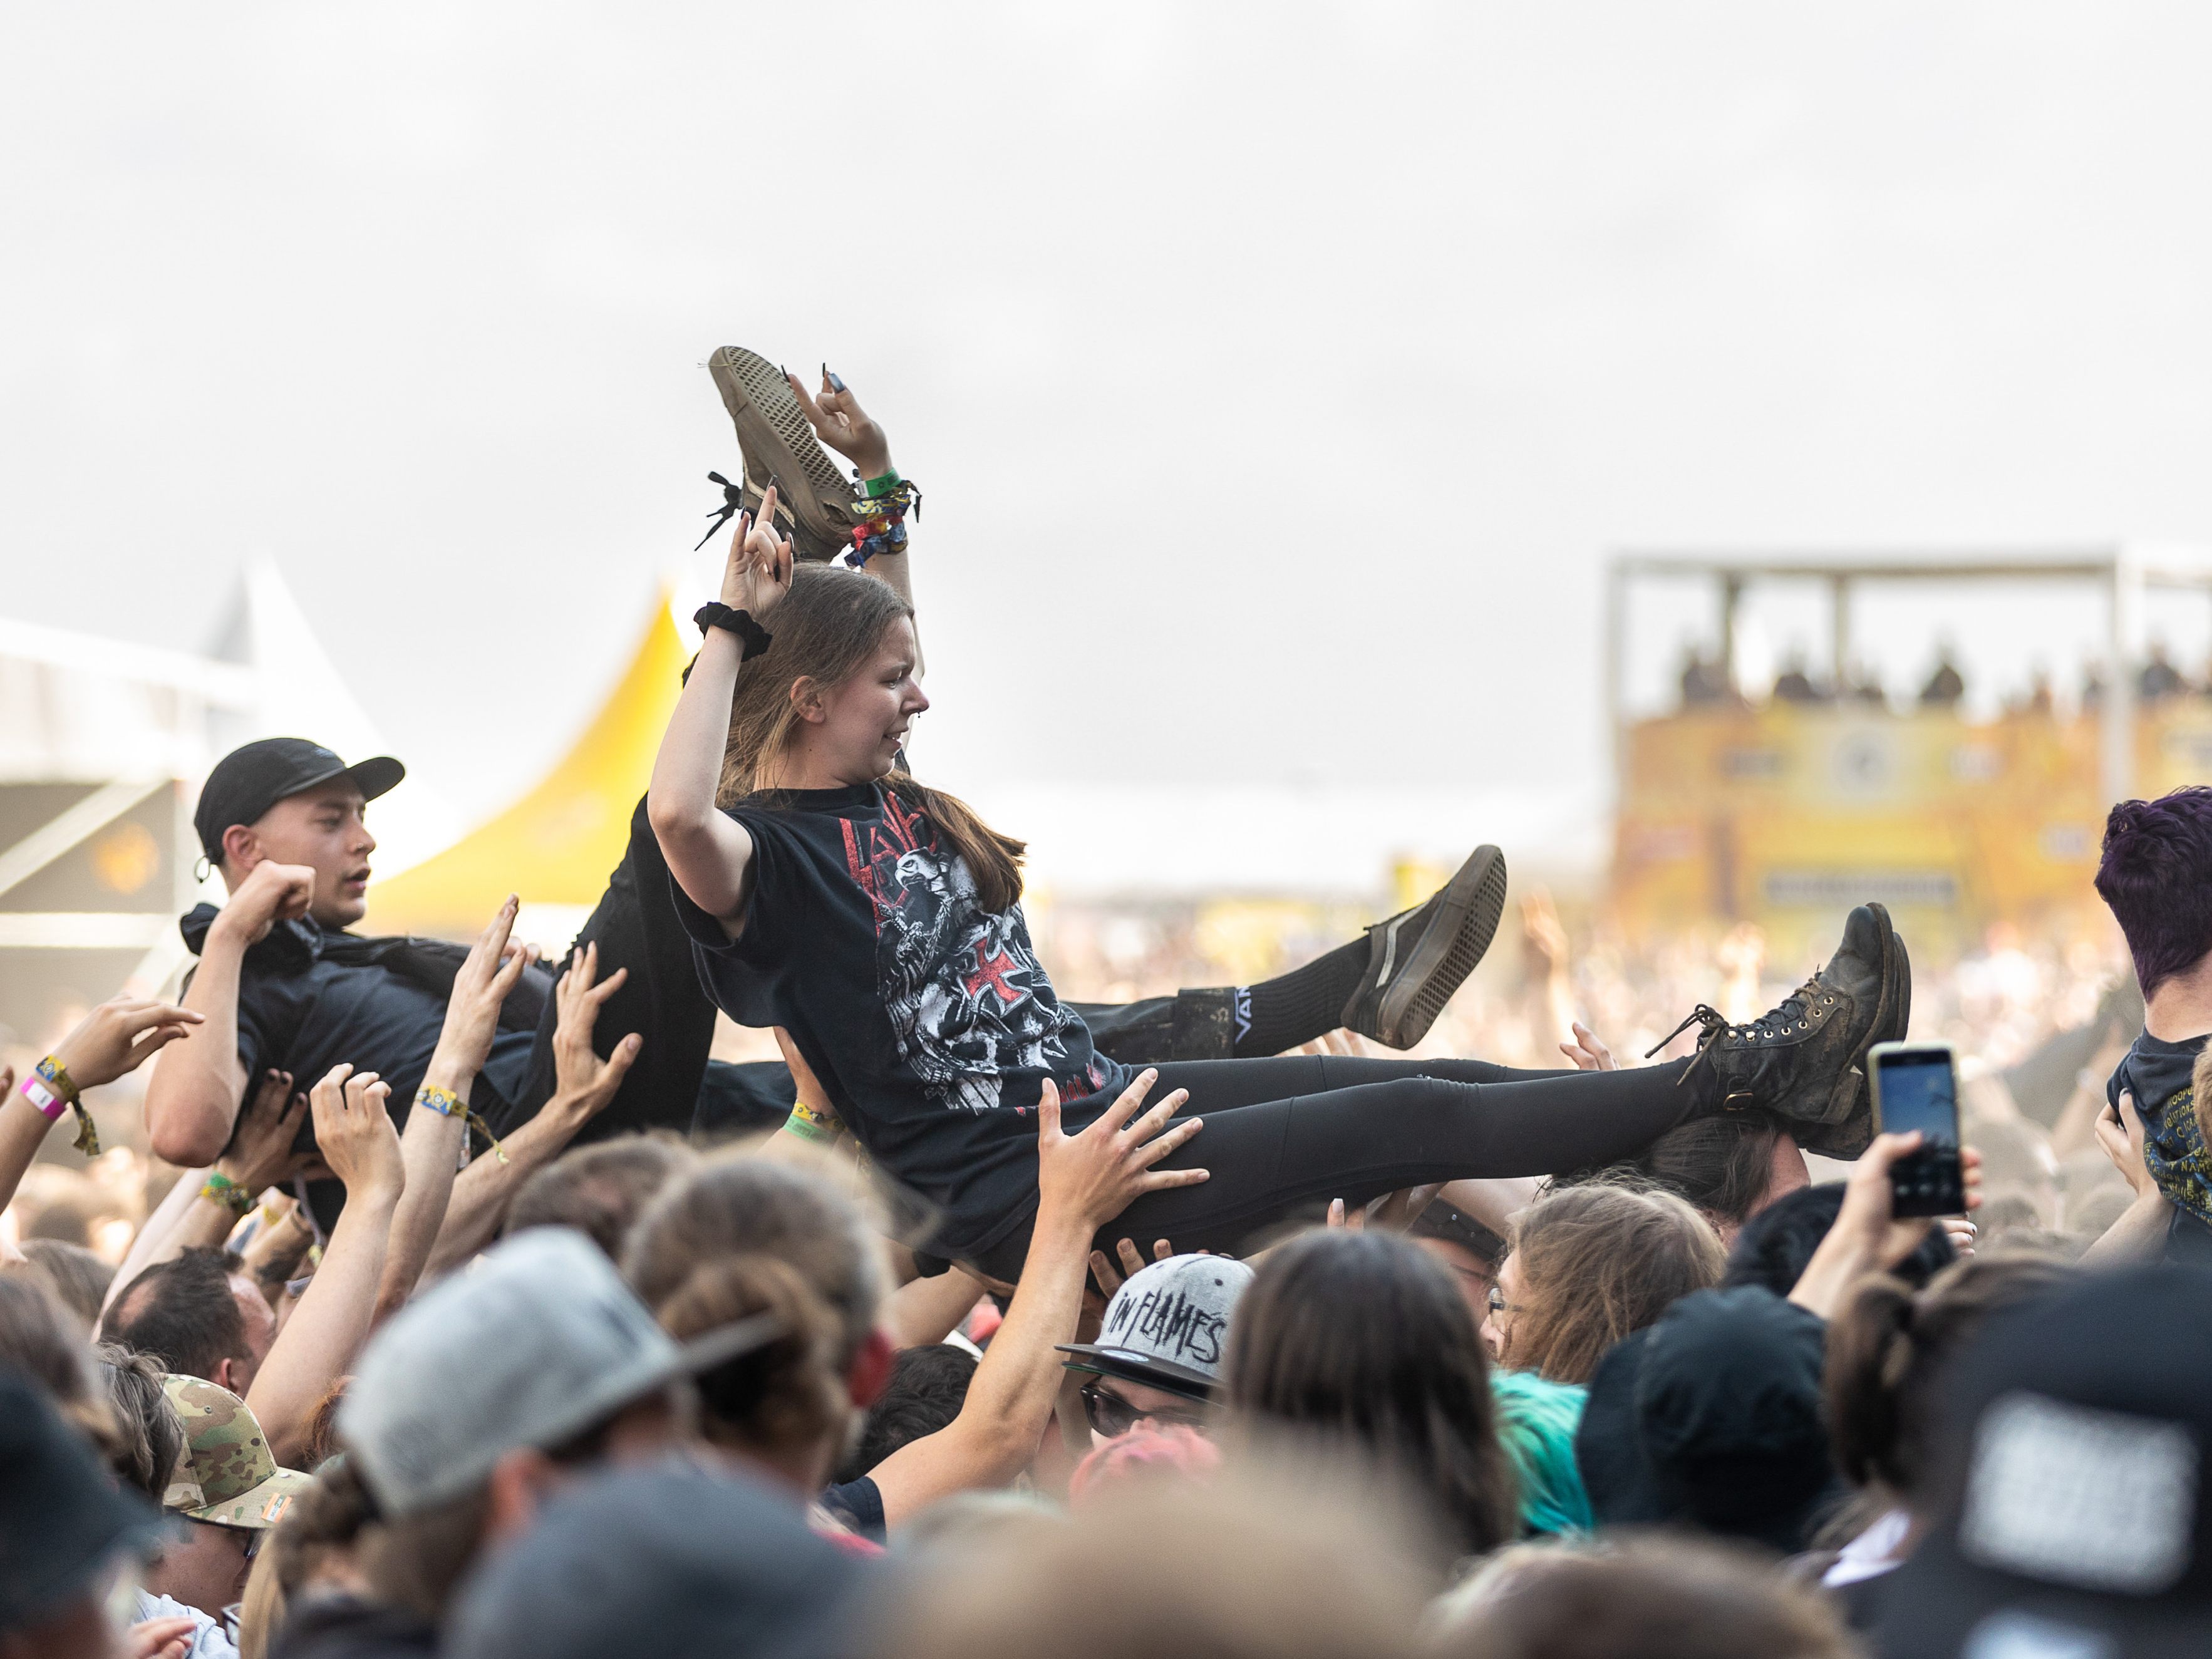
(1536, 1423)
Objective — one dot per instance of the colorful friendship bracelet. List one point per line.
(881, 528)
(220, 1188)
(49, 1088)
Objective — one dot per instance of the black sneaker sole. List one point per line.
(1468, 910)
(779, 443)
(1852, 1126)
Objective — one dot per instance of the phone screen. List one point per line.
(1920, 1091)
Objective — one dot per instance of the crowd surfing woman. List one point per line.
(879, 921)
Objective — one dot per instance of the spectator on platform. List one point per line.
(1946, 686)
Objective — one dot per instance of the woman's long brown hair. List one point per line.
(827, 627)
(1595, 1263)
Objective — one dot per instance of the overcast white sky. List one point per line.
(1278, 374)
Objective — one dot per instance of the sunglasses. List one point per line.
(1111, 1417)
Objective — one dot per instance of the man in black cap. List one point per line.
(283, 986)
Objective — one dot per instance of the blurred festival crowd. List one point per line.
(369, 1296)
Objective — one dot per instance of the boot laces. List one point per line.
(1790, 1012)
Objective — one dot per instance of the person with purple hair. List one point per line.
(2156, 876)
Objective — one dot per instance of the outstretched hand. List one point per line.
(1588, 1051)
(481, 985)
(2120, 1137)
(839, 422)
(758, 573)
(1095, 1174)
(1868, 1236)
(583, 1084)
(260, 1154)
(1393, 1213)
(120, 1036)
(353, 1131)
(1132, 1263)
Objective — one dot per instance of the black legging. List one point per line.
(1281, 1133)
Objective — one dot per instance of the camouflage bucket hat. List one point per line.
(227, 1473)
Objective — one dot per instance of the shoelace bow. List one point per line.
(1792, 1009)
(733, 502)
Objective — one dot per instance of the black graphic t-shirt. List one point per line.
(930, 1022)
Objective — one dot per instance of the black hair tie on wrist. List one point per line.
(752, 638)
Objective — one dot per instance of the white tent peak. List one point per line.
(299, 692)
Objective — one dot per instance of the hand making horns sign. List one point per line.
(758, 573)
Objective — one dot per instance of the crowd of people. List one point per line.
(488, 1314)
(1706, 680)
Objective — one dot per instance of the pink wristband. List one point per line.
(52, 1105)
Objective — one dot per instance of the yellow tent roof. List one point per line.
(558, 843)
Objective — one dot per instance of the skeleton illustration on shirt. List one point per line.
(968, 1001)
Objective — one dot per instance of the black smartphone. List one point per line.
(1916, 1086)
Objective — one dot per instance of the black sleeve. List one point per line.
(859, 1505)
(772, 897)
(268, 1018)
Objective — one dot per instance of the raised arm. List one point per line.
(1866, 1236)
(319, 1342)
(2139, 1234)
(843, 425)
(708, 852)
(438, 1121)
(205, 1205)
(193, 1095)
(583, 1084)
(117, 1037)
(1084, 1181)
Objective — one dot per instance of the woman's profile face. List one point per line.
(859, 723)
(1504, 1305)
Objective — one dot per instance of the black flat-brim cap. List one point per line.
(249, 780)
(1150, 1369)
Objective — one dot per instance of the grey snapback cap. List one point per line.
(1169, 1325)
(536, 1342)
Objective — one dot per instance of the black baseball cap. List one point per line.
(2070, 1507)
(1711, 1417)
(246, 782)
(62, 1520)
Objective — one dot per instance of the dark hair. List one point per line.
(2156, 875)
(600, 1190)
(1637, 1597)
(1777, 1243)
(182, 1312)
(41, 1339)
(79, 1277)
(1596, 1262)
(1722, 1165)
(1887, 1346)
(150, 1436)
(826, 628)
(929, 1386)
(739, 1236)
(1362, 1338)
